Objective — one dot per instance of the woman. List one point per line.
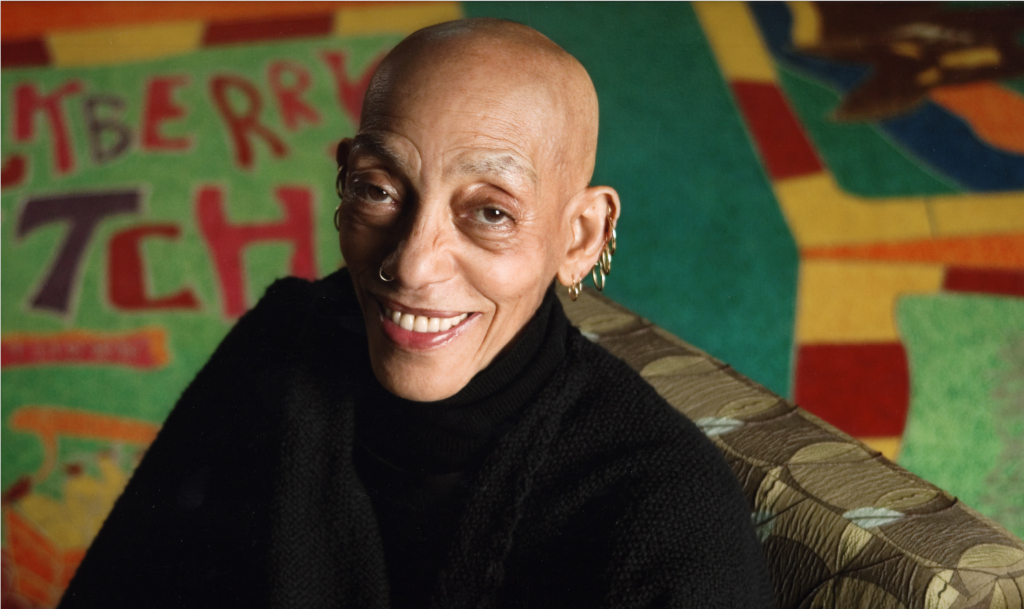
(424, 428)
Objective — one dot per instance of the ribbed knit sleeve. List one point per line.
(190, 527)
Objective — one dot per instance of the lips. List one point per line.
(418, 329)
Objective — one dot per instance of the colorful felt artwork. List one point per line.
(892, 139)
(829, 199)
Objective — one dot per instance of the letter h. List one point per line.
(226, 241)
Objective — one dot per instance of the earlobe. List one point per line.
(595, 212)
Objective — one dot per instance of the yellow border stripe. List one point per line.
(735, 40)
(995, 213)
(404, 19)
(124, 44)
(841, 301)
(153, 41)
(806, 24)
(820, 213)
(889, 446)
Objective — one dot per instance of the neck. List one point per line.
(448, 434)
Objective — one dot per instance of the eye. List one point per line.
(370, 193)
(491, 216)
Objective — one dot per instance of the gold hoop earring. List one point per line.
(575, 289)
(603, 266)
(598, 276)
(339, 187)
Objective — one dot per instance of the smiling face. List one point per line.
(457, 186)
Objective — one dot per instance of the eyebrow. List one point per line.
(502, 164)
(375, 145)
(505, 165)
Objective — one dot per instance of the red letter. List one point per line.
(126, 277)
(14, 171)
(350, 95)
(289, 99)
(28, 101)
(83, 212)
(246, 120)
(226, 242)
(160, 107)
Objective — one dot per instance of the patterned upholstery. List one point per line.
(841, 526)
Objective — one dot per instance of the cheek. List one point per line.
(359, 246)
(514, 280)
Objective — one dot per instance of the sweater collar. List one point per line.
(448, 435)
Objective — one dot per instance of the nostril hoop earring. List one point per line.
(384, 276)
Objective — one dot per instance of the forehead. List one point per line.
(407, 156)
(465, 123)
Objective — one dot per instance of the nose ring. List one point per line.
(384, 276)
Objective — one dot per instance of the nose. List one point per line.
(425, 253)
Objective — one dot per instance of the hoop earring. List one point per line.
(384, 276)
(338, 188)
(575, 289)
(598, 276)
(603, 266)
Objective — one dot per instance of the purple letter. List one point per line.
(83, 213)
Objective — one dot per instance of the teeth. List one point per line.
(419, 323)
(408, 321)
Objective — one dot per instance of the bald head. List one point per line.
(509, 69)
(466, 192)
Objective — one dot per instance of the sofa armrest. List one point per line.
(841, 526)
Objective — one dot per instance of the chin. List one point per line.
(422, 367)
(419, 383)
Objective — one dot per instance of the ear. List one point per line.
(592, 214)
(344, 147)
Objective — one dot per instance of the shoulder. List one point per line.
(292, 298)
(623, 439)
(623, 410)
(289, 306)
(637, 494)
(620, 438)
(255, 362)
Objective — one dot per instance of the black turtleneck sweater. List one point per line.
(416, 458)
(284, 477)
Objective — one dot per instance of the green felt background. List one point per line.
(704, 250)
(966, 424)
(168, 182)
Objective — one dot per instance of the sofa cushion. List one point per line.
(841, 526)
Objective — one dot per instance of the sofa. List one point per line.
(840, 525)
